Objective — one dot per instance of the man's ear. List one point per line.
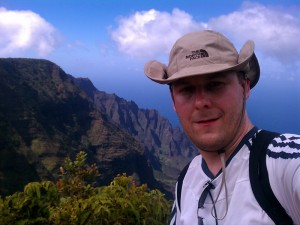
(246, 87)
(174, 107)
(171, 93)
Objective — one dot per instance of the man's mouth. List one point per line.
(206, 121)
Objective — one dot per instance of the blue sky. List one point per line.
(109, 42)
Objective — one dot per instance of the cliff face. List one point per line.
(46, 115)
(167, 148)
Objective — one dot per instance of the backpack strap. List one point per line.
(179, 183)
(259, 179)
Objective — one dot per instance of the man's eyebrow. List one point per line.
(207, 77)
(181, 82)
(218, 76)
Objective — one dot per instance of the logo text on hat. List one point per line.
(201, 53)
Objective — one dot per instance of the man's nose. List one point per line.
(202, 98)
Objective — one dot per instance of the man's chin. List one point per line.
(210, 143)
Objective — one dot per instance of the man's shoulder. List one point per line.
(288, 137)
(285, 146)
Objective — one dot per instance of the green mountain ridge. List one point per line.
(47, 115)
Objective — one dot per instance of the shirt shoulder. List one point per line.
(283, 164)
(285, 146)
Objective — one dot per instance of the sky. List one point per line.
(109, 41)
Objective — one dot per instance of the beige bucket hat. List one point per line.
(204, 52)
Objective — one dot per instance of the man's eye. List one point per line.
(187, 90)
(215, 84)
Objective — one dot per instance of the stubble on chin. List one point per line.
(208, 142)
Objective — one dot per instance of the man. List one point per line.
(210, 83)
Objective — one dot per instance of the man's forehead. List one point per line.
(205, 77)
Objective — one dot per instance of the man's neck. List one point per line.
(213, 159)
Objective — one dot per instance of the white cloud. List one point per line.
(150, 33)
(275, 31)
(23, 31)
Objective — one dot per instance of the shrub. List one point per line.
(74, 200)
(77, 178)
(31, 206)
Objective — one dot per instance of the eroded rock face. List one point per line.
(166, 148)
(47, 115)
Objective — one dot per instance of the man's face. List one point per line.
(210, 108)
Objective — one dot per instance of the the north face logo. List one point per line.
(201, 53)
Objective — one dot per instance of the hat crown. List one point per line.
(200, 49)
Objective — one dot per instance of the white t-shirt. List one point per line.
(283, 164)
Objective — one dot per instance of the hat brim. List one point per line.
(248, 64)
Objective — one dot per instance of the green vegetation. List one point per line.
(74, 200)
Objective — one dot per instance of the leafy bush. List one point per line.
(77, 178)
(74, 200)
(31, 206)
